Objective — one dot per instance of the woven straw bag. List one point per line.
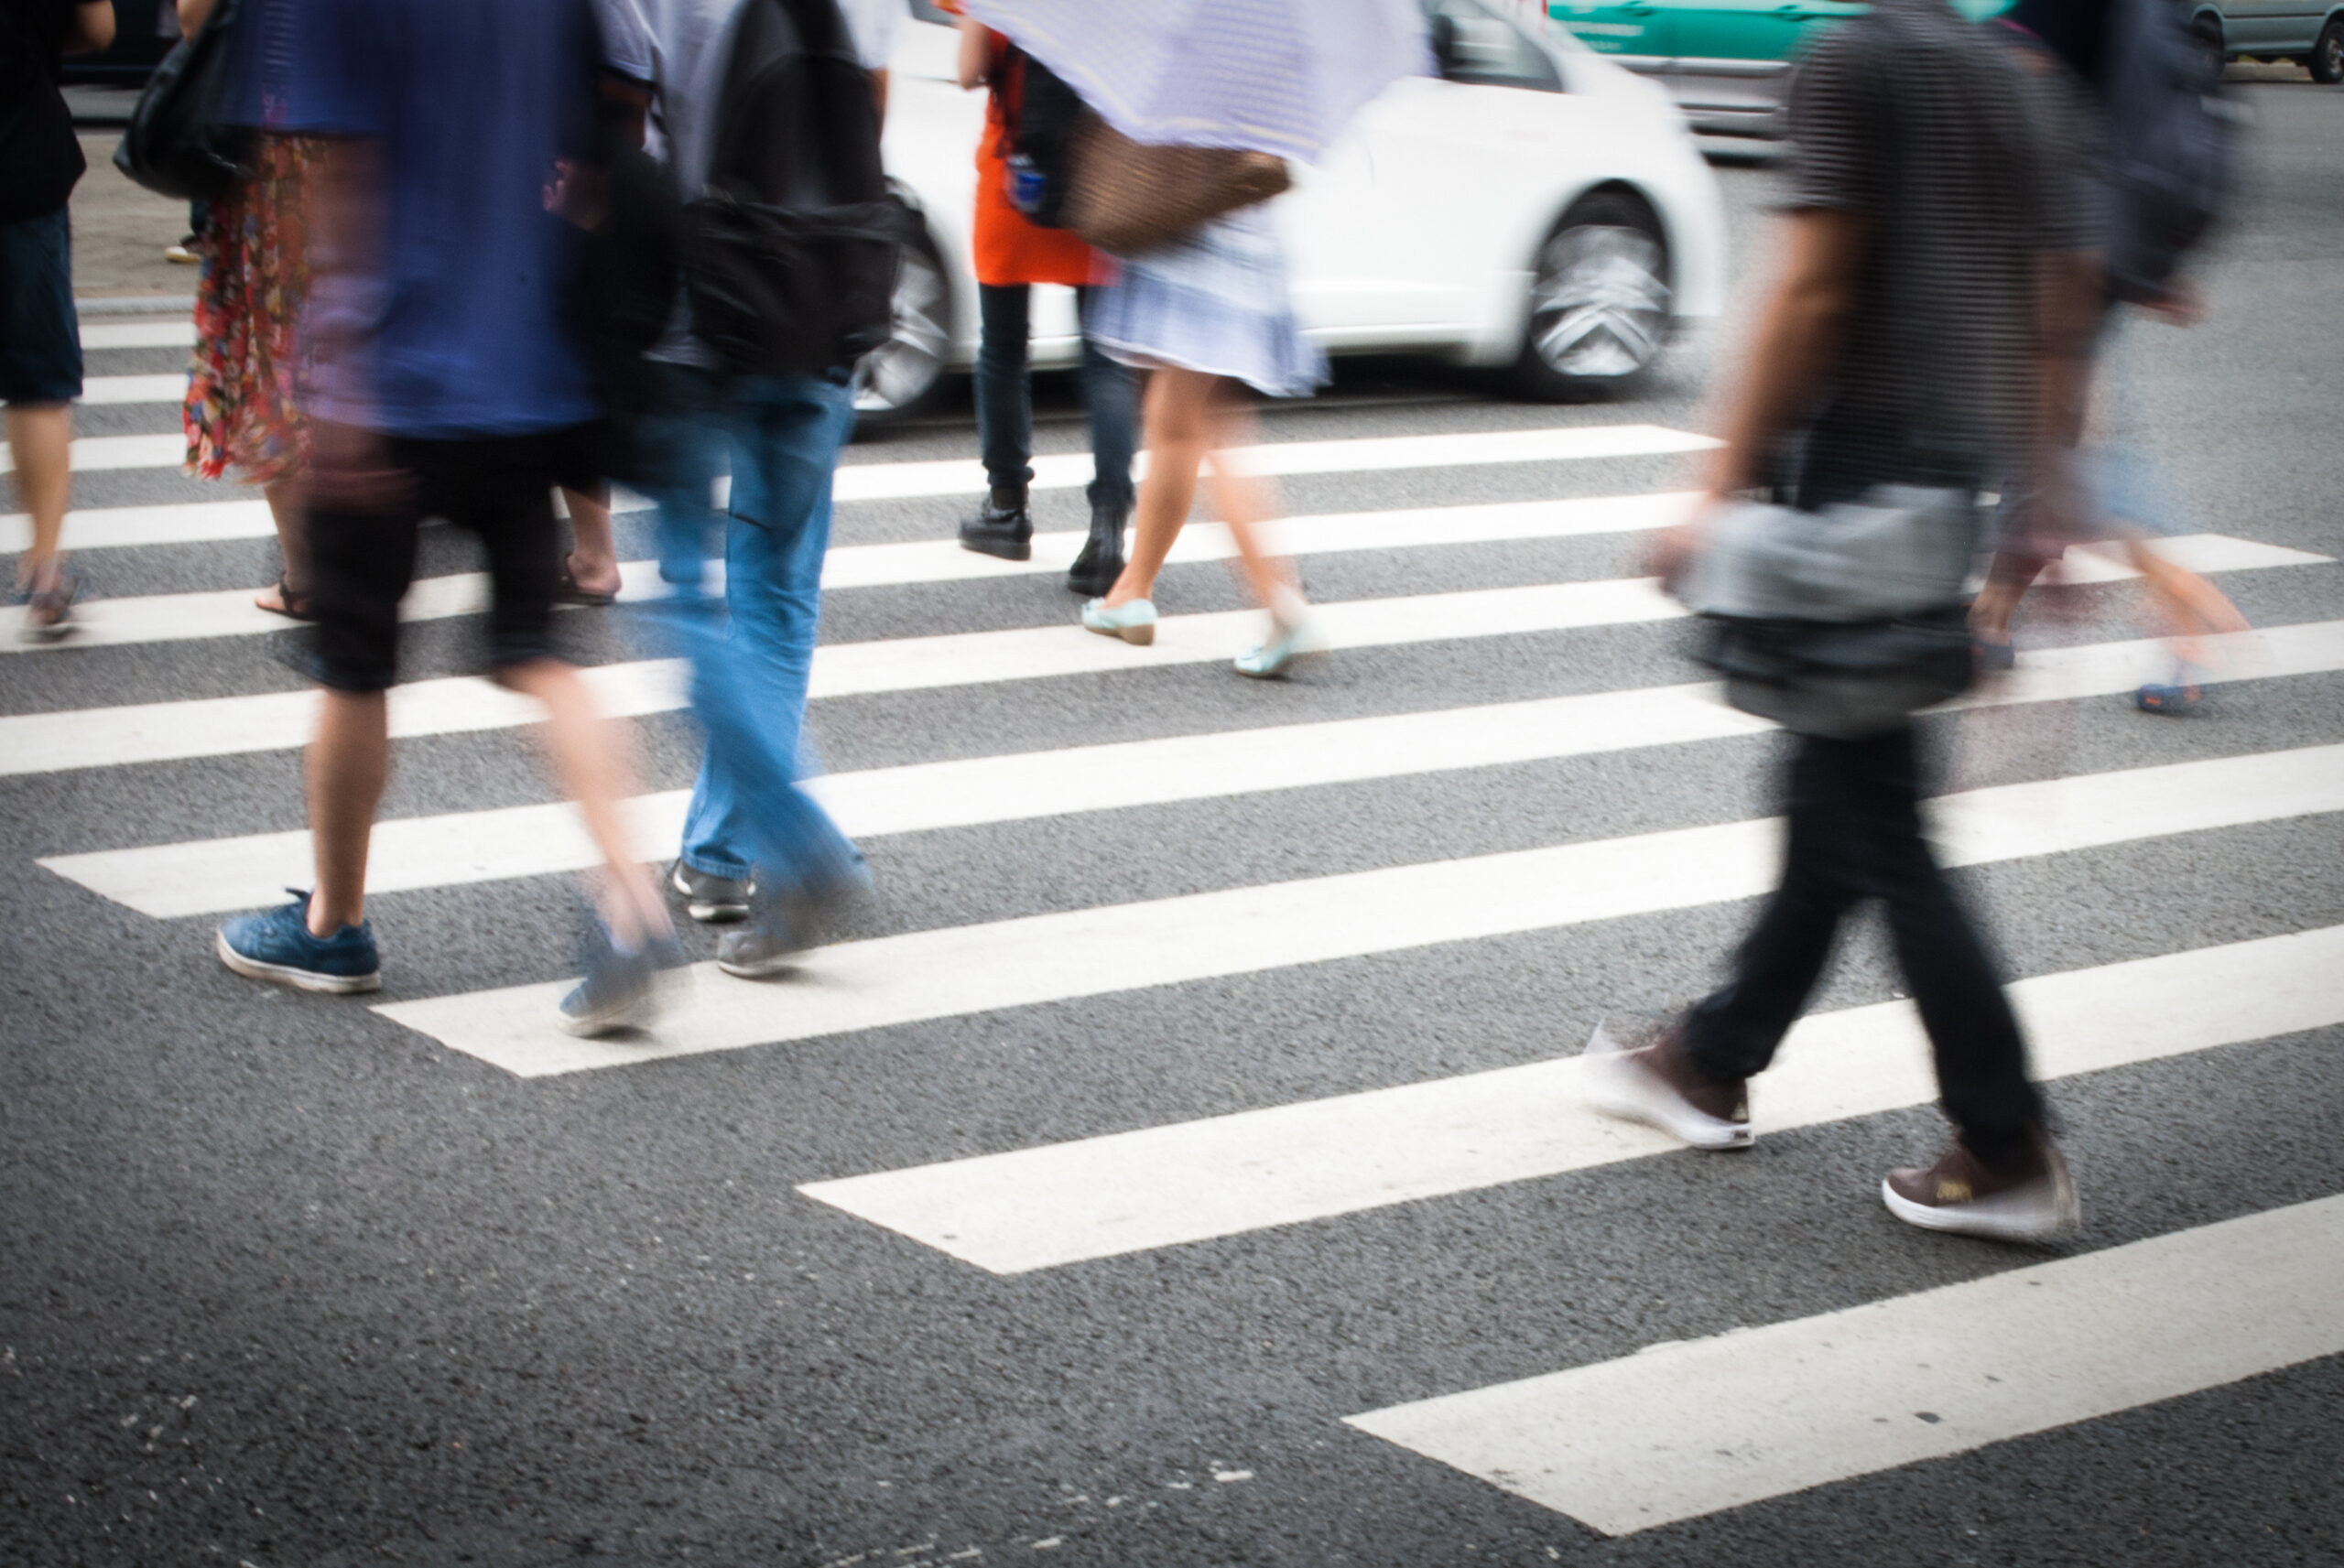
(1125, 197)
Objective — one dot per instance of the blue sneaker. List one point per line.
(275, 945)
(621, 991)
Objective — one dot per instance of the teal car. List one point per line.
(1727, 62)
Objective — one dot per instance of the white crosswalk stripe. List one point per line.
(162, 617)
(173, 334)
(218, 726)
(1688, 1429)
(181, 617)
(1623, 1446)
(219, 874)
(1160, 1186)
(1094, 952)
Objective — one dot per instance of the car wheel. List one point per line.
(2327, 59)
(1598, 301)
(902, 375)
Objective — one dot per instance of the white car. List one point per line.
(1534, 206)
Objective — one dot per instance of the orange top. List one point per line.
(1010, 247)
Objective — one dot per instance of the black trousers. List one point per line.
(1855, 833)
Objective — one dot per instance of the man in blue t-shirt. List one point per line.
(445, 382)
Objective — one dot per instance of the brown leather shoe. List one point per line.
(2027, 1198)
(1657, 1084)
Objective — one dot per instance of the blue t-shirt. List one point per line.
(462, 326)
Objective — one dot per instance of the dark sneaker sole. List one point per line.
(707, 911)
(1997, 1220)
(300, 980)
(1000, 549)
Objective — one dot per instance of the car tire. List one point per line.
(905, 374)
(2327, 59)
(1598, 301)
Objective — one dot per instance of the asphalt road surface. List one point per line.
(1120, 1192)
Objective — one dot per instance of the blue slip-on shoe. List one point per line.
(1287, 644)
(275, 945)
(621, 991)
(1133, 620)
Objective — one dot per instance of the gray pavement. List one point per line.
(283, 1282)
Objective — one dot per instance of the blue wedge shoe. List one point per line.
(1134, 621)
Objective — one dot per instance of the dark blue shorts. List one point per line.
(41, 337)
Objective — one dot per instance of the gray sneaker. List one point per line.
(712, 900)
(786, 927)
(621, 992)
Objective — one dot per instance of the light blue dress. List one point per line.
(1213, 300)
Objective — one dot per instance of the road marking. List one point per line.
(225, 725)
(1163, 1186)
(1689, 1428)
(181, 617)
(110, 389)
(1070, 470)
(1056, 958)
(170, 880)
(178, 522)
(91, 453)
(177, 333)
(178, 617)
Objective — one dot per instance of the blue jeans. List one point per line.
(750, 666)
(1005, 398)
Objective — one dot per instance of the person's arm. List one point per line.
(976, 54)
(1799, 331)
(92, 27)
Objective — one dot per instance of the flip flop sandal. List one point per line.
(567, 591)
(297, 606)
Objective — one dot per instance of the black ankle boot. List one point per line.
(1101, 561)
(1003, 527)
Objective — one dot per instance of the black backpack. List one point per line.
(791, 248)
(1041, 113)
(2172, 136)
(179, 143)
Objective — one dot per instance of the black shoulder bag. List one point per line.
(178, 143)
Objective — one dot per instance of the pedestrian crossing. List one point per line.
(1622, 1445)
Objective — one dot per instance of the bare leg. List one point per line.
(1246, 501)
(287, 499)
(1176, 426)
(2190, 606)
(593, 557)
(348, 763)
(40, 439)
(2007, 580)
(593, 767)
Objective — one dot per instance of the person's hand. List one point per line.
(350, 469)
(1672, 552)
(2181, 304)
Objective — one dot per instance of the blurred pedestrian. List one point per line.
(2072, 53)
(1197, 101)
(41, 333)
(1013, 255)
(443, 383)
(1900, 346)
(241, 412)
(755, 847)
(1209, 315)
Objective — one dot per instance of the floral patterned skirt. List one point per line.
(241, 411)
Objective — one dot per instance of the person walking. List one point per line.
(241, 414)
(1904, 317)
(444, 383)
(755, 846)
(1209, 315)
(2065, 47)
(40, 334)
(1012, 255)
